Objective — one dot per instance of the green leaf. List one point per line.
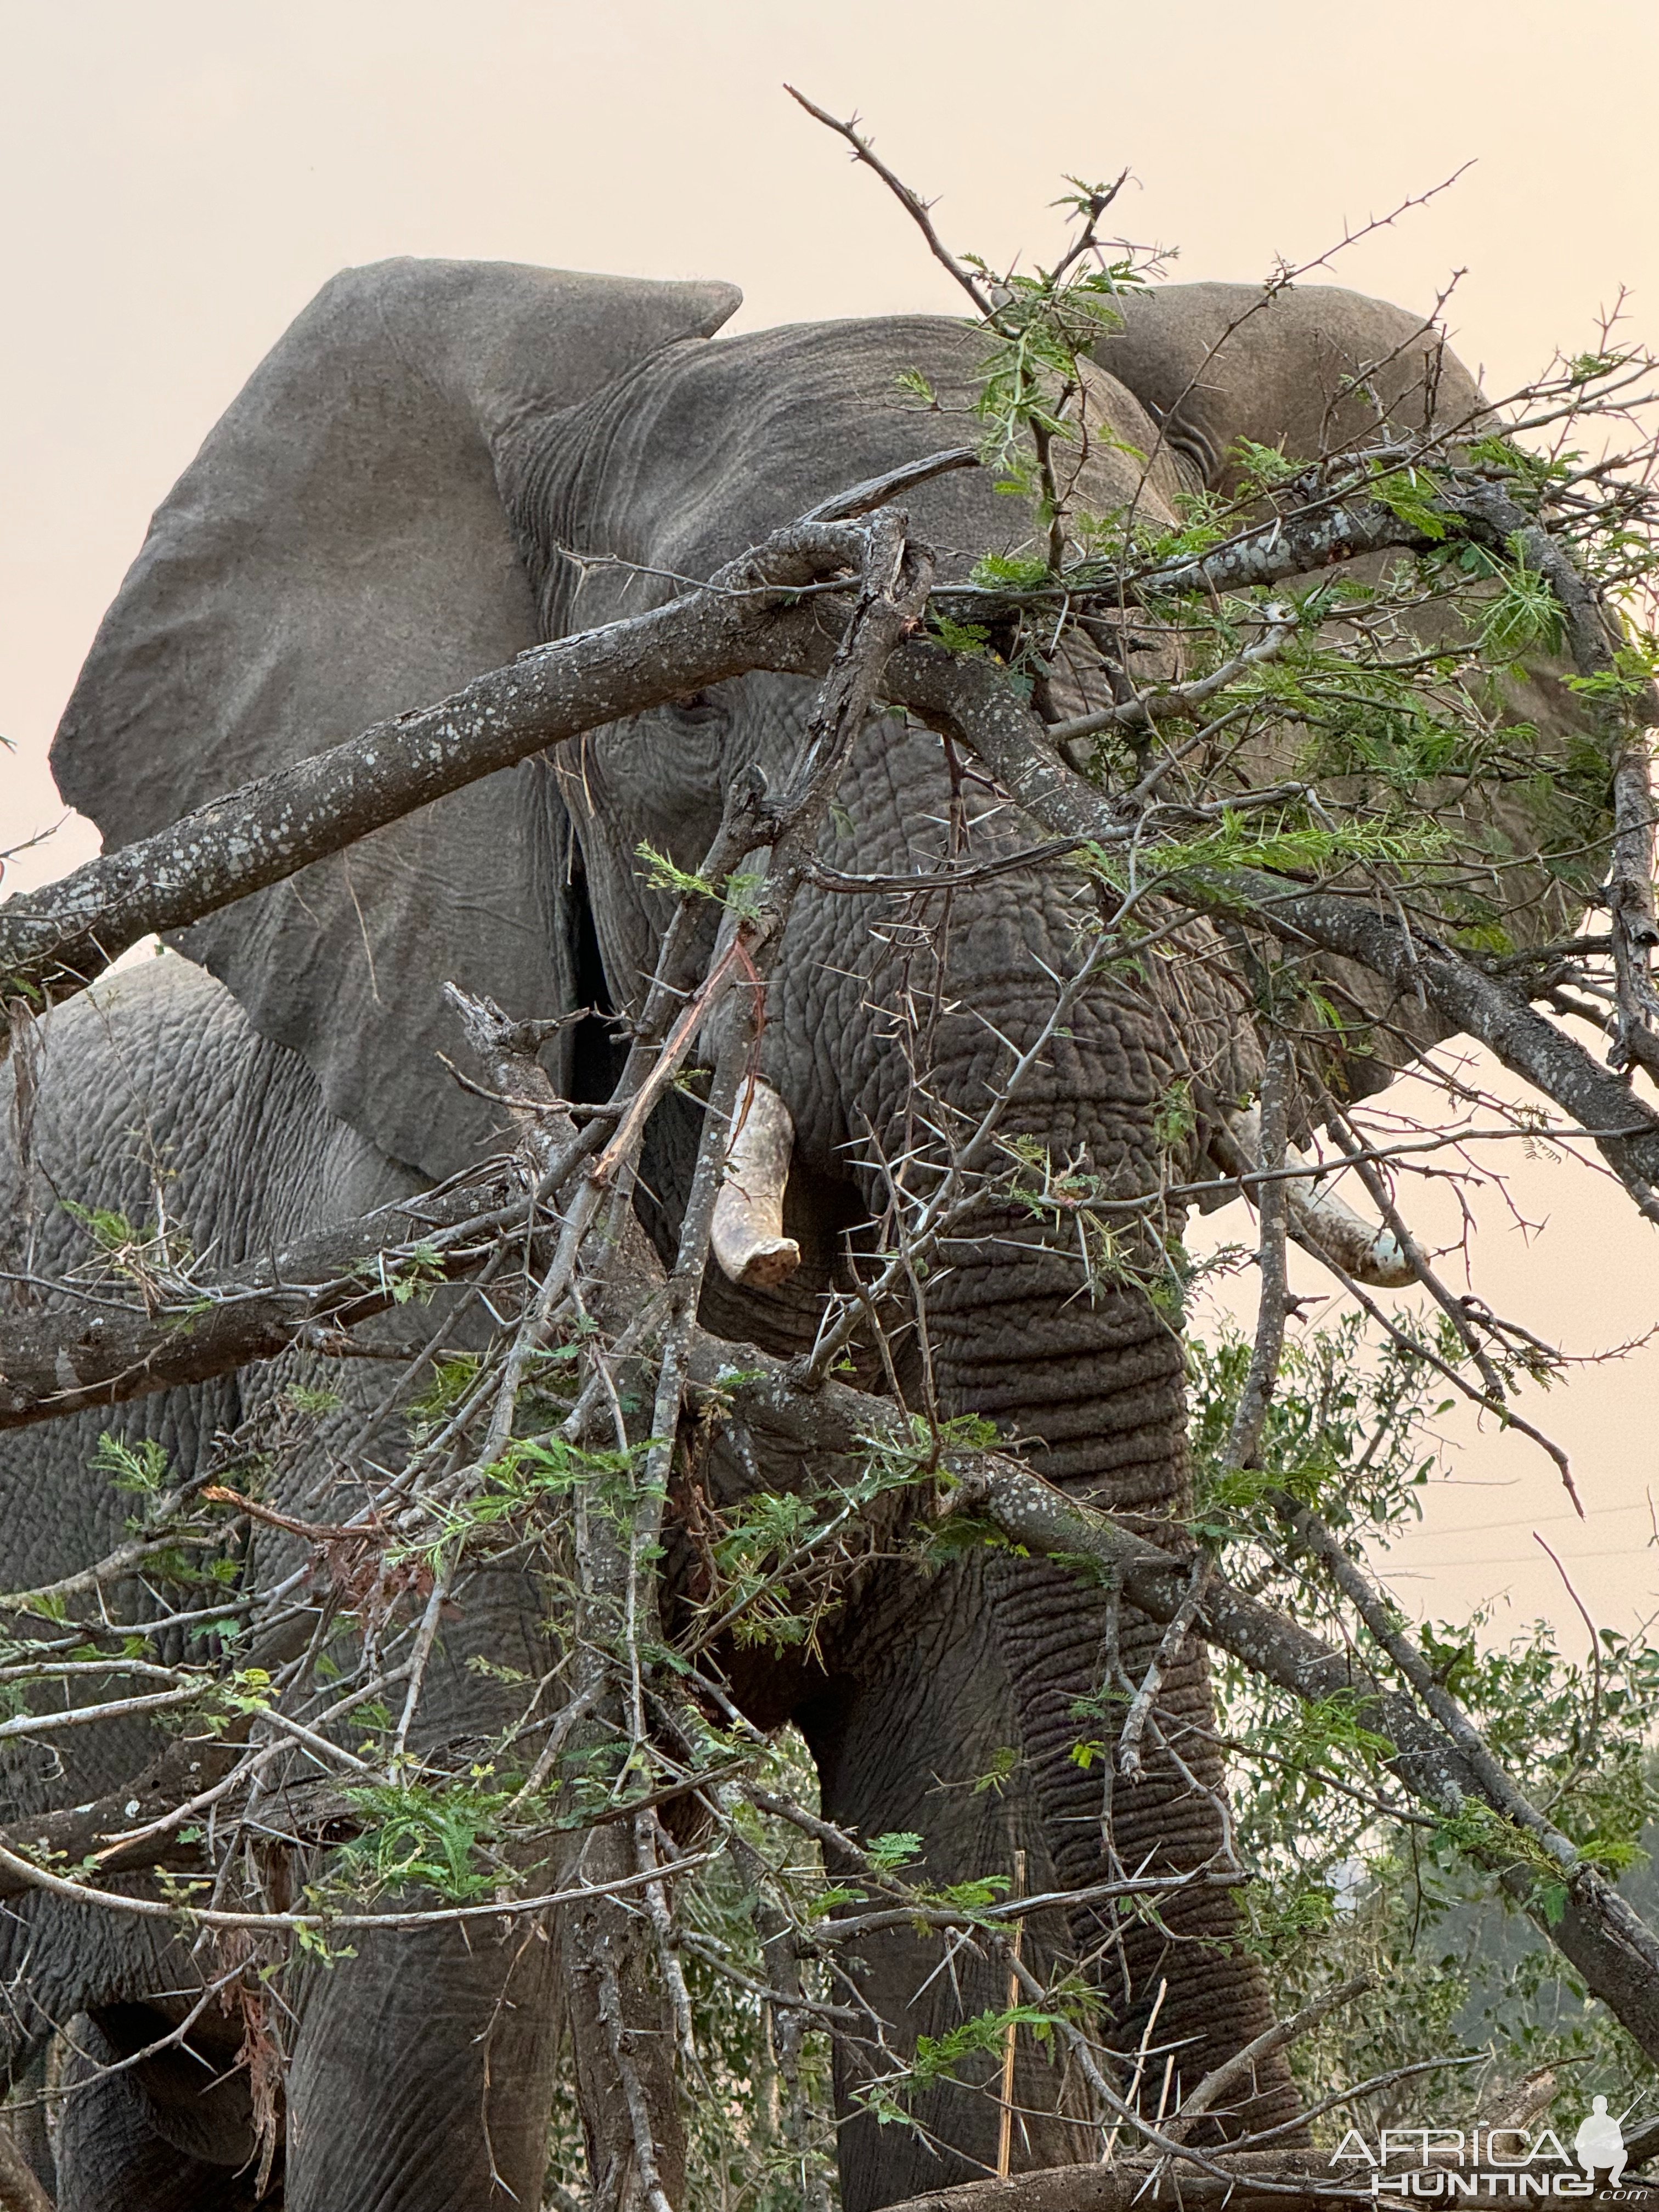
(897, 1848)
(142, 1465)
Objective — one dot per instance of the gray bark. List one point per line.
(63, 1357)
(54, 941)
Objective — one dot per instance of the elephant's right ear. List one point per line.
(335, 554)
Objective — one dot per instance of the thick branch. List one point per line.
(1235, 2073)
(1340, 529)
(1477, 1005)
(1612, 1948)
(53, 941)
(1243, 2181)
(969, 698)
(64, 1358)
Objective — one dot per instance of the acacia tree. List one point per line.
(693, 1900)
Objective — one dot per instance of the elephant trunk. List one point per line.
(1094, 1390)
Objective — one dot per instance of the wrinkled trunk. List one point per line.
(914, 1711)
(1087, 1379)
(1094, 1390)
(422, 2076)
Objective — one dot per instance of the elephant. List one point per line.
(440, 465)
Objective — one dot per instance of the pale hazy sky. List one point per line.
(177, 178)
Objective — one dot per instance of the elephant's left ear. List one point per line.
(338, 553)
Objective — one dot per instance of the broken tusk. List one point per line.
(1361, 1249)
(748, 1237)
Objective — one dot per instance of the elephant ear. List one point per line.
(1308, 369)
(338, 553)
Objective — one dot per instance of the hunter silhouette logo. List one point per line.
(1599, 2143)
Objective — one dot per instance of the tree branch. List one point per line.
(54, 941)
(913, 206)
(968, 698)
(1243, 2181)
(1236, 2072)
(64, 1358)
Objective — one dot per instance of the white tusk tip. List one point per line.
(766, 1264)
(1390, 1270)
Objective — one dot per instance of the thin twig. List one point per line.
(913, 206)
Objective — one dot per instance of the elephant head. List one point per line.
(442, 464)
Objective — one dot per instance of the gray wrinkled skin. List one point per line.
(391, 507)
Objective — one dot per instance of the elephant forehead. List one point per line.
(707, 446)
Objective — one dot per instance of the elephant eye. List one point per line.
(698, 707)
